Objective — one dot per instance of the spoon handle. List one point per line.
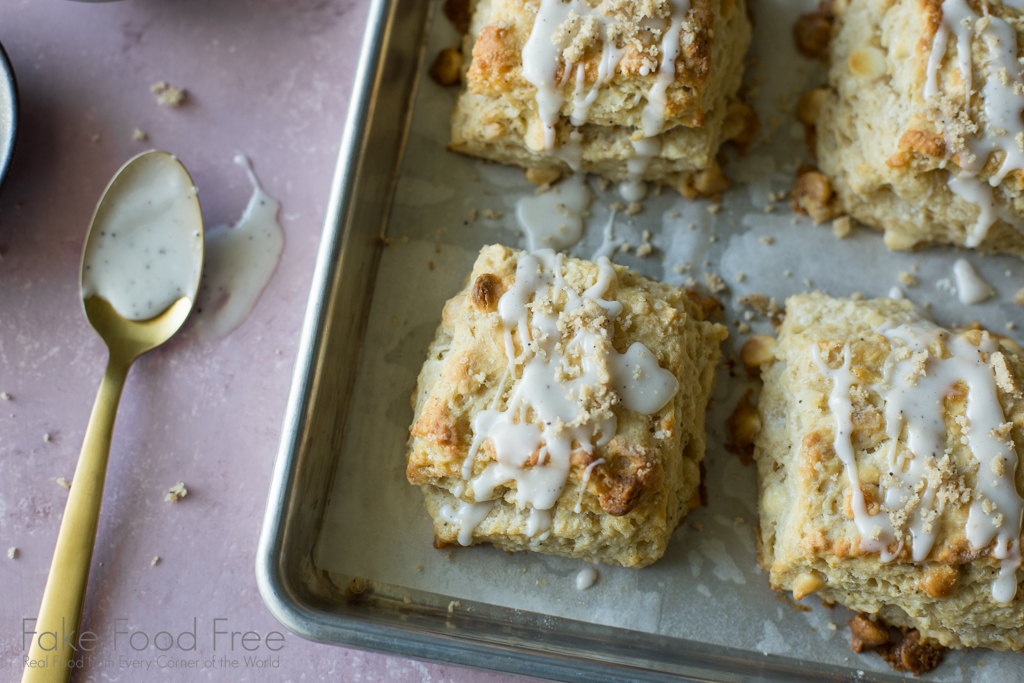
(57, 638)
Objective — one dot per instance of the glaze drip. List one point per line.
(558, 343)
(1002, 102)
(927, 365)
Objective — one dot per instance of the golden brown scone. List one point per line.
(891, 146)
(617, 503)
(904, 554)
(498, 117)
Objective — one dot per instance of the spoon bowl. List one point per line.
(140, 273)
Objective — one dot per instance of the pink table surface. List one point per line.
(270, 79)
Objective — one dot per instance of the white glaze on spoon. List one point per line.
(141, 256)
(240, 259)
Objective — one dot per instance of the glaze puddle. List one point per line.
(240, 259)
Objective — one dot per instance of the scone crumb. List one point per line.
(4, 396)
(743, 328)
(407, 599)
(674, 214)
(452, 605)
(866, 634)
(176, 493)
(913, 654)
(738, 521)
(617, 206)
(698, 526)
(490, 213)
(155, 561)
(842, 227)
(167, 94)
(757, 351)
(418, 567)
(741, 276)
(767, 240)
(1018, 298)
(12, 553)
(714, 208)
(633, 209)
(46, 436)
(812, 195)
(139, 135)
(63, 482)
(907, 280)
(811, 32)
(678, 269)
(715, 283)
(446, 67)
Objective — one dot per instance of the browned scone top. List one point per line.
(809, 540)
(497, 116)
(649, 479)
(889, 149)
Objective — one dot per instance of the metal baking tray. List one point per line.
(344, 554)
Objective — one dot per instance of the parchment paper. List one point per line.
(708, 586)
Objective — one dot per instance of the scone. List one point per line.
(561, 409)
(631, 91)
(920, 131)
(887, 469)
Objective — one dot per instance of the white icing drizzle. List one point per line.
(973, 191)
(971, 287)
(609, 245)
(653, 119)
(586, 578)
(554, 219)
(467, 517)
(541, 58)
(544, 419)
(1002, 102)
(913, 388)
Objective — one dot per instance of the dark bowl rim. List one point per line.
(10, 83)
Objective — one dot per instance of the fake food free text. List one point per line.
(221, 637)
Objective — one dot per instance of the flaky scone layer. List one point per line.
(497, 115)
(649, 479)
(890, 151)
(809, 538)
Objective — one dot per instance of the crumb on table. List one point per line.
(167, 94)
(176, 493)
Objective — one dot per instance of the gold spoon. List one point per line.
(140, 186)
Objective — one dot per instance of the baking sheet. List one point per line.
(707, 587)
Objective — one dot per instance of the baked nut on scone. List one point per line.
(921, 131)
(631, 91)
(561, 409)
(887, 468)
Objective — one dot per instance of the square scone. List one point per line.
(631, 91)
(561, 408)
(920, 131)
(887, 469)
